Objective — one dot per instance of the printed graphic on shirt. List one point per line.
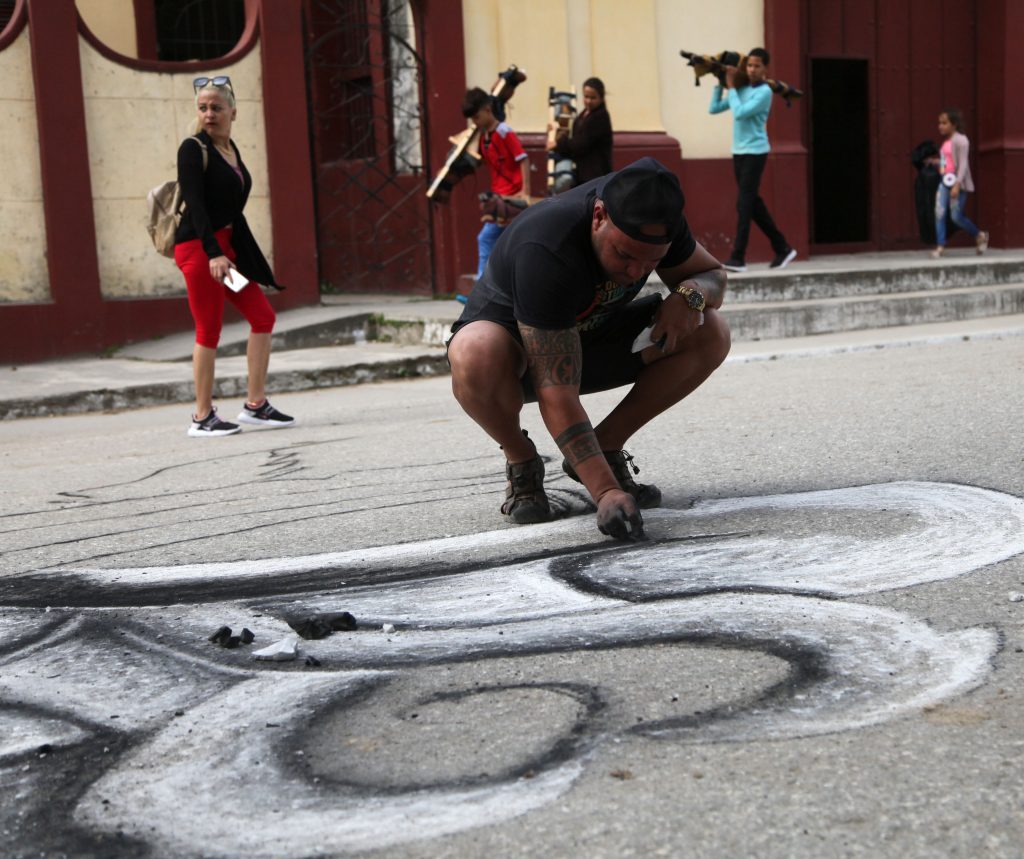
(607, 297)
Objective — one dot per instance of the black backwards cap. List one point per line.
(644, 193)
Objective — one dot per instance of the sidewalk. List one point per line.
(350, 339)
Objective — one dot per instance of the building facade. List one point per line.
(346, 108)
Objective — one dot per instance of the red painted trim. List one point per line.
(245, 44)
(444, 82)
(38, 332)
(14, 26)
(1002, 144)
(145, 29)
(786, 185)
(999, 140)
(289, 167)
(64, 158)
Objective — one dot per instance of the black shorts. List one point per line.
(608, 359)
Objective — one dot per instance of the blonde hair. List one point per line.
(225, 92)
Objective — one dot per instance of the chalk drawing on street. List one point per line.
(123, 664)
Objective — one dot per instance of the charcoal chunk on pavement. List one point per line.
(232, 642)
(221, 635)
(312, 662)
(247, 636)
(314, 626)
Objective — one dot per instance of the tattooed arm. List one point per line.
(555, 364)
(675, 320)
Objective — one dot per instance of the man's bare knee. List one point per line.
(716, 337)
(482, 355)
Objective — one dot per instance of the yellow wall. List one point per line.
(134, 123)
(703, 28)
(112, 22)
(23, 272)
(632, 45)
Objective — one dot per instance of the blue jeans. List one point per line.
(956, 213)
(485, 244)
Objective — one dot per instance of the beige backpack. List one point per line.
(165, 206)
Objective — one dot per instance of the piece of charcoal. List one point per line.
(221, 635)
(232, 642)
(312, 662)
(342, 622)
(314, 626)
(247, 636)
(311, 628)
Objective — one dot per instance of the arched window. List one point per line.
(6, 11)
(197, 29)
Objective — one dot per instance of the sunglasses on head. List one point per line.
(220, 80)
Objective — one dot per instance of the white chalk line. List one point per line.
(159, 798)
(951, 530)
(882, 665)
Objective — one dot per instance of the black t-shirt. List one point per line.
(544, 273)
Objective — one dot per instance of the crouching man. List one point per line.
(554, 317)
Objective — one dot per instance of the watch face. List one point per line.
(695, 300)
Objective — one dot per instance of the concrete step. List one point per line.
(806, 298)
(760, 321)
(822, 282)
(83, 385)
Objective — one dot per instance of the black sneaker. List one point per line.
(783, 259)
(645, 494)
(734, 265)
(264, 416)
(212, 426)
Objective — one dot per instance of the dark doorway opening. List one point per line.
(839, 151)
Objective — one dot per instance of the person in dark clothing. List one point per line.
(590, 144)
(556, 315)
(213, 240)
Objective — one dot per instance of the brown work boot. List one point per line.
(526, 503)
(645, 494)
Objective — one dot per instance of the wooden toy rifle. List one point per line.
(706, 64)
(464, 156)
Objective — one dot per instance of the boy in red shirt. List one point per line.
(506, 159)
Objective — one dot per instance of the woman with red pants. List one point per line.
(213, 238)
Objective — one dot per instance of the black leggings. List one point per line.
(749, 205)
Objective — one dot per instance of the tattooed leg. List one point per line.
(553, 357)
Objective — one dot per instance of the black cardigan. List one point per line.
(214, 199)
(590, 145)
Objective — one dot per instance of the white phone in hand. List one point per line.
(235, 280)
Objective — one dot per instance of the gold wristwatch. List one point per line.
(694, 297)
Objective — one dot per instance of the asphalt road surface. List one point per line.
(817, 652)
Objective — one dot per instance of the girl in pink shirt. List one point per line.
(955, 169)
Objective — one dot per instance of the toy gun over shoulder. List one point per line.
(707, 64)
(464, 156)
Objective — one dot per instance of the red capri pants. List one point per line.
(206, 295)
